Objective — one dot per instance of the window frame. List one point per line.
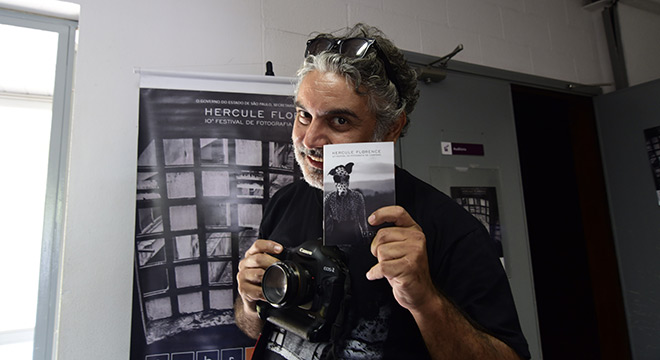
(54, 209)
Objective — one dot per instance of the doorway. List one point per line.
(576, 279)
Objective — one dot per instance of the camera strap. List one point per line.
(339, 327)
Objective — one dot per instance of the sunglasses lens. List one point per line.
(354, 47)
(318, 46)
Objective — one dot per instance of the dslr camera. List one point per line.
(307, 291)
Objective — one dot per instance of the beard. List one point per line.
(313, 175)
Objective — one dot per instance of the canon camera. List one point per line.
(307, 291)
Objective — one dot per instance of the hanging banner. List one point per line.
(208, 161)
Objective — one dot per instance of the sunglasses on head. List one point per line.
(352, 47)
(356, 47)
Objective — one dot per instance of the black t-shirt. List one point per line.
(462, 260)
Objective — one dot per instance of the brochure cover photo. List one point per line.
(359, 179)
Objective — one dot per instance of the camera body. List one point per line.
(307, 291)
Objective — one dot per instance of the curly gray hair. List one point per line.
(387, 98)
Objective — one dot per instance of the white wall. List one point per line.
(640, 36)
(553, 38)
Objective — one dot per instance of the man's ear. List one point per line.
(397, 128)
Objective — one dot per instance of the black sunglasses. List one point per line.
(356, 47)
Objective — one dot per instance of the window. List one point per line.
(35, 87)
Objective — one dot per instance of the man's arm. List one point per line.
(403, 261)
(250, 324)
(449, 335)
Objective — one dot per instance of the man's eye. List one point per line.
(340, 121)
(303, 116)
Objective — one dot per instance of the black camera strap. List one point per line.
(339, 327)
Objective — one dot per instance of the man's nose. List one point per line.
(316, 134)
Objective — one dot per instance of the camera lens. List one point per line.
(284, 284)
(275, 284)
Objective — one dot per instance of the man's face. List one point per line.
(328, 111)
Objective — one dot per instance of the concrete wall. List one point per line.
(553, 38)
(640, 36)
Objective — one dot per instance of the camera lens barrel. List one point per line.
(285, 284)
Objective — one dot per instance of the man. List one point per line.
(431, 285)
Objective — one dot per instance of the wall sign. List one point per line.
(452, 148)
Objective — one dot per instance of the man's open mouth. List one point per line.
(315, 161)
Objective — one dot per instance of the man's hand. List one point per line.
(402, 257)
(250, 272)
(403, 261)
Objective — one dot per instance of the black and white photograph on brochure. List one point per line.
(653, 148)
(207, 164)
(481, 202)
(358, 180)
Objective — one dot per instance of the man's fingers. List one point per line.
(388, 269)
(264, 246)
(252, 293)
(409, 239)
(393, 214)
(257, 255)
(375, 272)
(249, 284)
(252, 276)
(251, 269)
(259, 260)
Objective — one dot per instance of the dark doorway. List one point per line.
(576, 281)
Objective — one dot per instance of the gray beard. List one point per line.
(313, 177)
